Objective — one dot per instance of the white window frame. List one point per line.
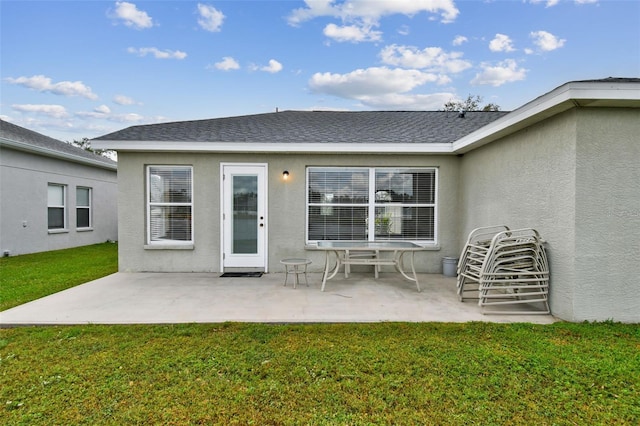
(63, 206)
(371, 205)
(150, 204)
(88, 207)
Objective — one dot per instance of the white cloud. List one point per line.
(45, 84)
(371, 11)
(424, 102)
(127, 118)
(123, 100)
(430, 58)
(381, 88)
(102, 109)
(99, 113)
(131, 16)
(352, 33)
(227, 63)
(157, 53)
(210, 18)
(55, 111)
(313, 10)
(501, 43)
(459, 40)
(505, 72)
(91, 114)
(358, 17)
(546, 41)
(273, 67)
(549, 3)
(370, 83)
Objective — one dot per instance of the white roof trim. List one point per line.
(584, 94)
(25, 147)
(266, 147)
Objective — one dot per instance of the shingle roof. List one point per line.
(26, 137)
(612, 80)
(316, 127)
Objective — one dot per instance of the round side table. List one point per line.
(296, 266)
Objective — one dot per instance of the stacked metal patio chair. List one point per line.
(505, 267)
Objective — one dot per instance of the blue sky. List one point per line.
(75, 69)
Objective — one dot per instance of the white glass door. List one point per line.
(244, 221)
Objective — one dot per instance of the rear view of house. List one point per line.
(244, 192)
(53, 195)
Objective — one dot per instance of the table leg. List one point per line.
(326, 275)
(376, 268)
(286, 274)
(347, 266)
(400, 268)
(413, 269)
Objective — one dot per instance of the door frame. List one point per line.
(265, 194)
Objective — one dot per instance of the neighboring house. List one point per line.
(245, 192)
(53, 195)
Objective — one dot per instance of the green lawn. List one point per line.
(387, 373)
(384, 373)
(31, 276)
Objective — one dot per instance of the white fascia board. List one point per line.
(19, 146)
(267, 147)
(561, 99)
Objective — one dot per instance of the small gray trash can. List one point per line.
(449, 266)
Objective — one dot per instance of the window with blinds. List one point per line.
(374, 204)
(170, 204)
(83, 207)
(56, 206)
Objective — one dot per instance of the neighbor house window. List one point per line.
(169, 204)
(374, 204)
(83, 207)
(56, 206)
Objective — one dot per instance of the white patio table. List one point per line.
(350, 253)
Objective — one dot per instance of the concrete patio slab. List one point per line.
(154, 298)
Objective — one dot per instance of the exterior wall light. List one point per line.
(285, 175)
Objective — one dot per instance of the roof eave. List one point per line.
(563, 98)
(266, 147)
(20, 146)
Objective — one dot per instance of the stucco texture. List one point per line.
(608, 215)
(580, 189)
(286, 218)
(24, 180)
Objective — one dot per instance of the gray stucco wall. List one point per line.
(24, 180)
(608, 215)
(574, 178)
(286, 208)
(527, 180)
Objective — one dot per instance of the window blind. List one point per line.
(371, 204)
(338, 203)
(170, 205)
(56, 214)
(405, 204)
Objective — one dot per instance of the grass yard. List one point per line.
(384, 373)
(32, 276)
